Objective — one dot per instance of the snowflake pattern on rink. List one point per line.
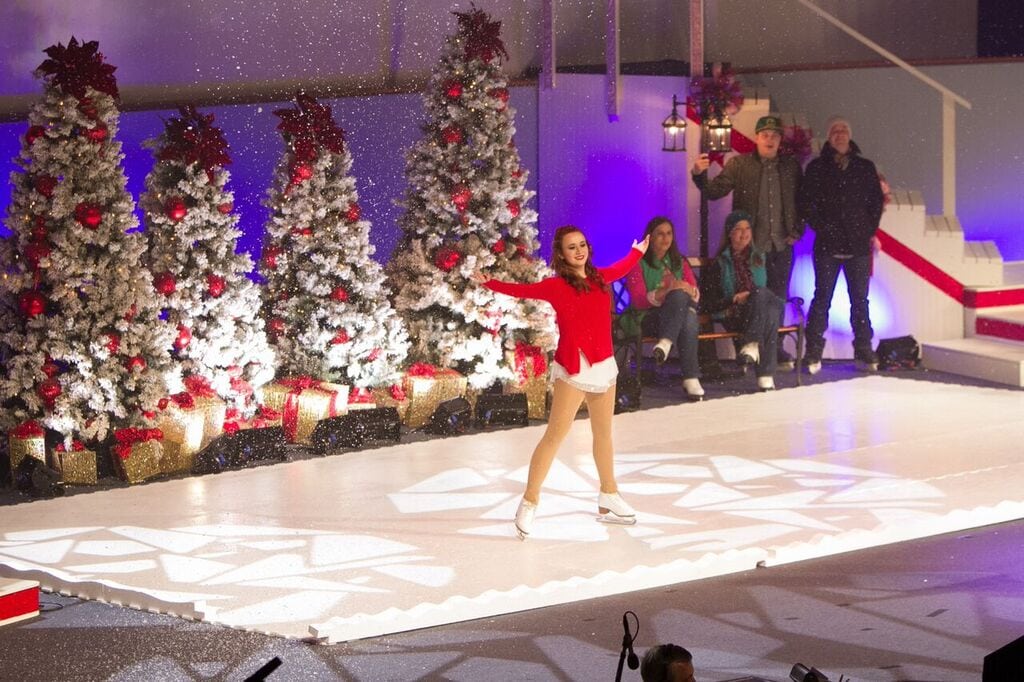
(781, 496)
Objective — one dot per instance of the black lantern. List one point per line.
(674, 130)
(716, 134)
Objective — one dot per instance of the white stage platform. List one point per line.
(415, 535)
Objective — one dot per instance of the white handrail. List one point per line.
(949, 101)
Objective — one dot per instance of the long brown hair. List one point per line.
(562, 269)
(675, 258)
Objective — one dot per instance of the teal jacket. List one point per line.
(718, 282)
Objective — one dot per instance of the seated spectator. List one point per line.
(667, 663)
(663, 298)
(734, 291)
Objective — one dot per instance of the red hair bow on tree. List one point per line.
(480, 35)
(78, 66)
(309, 127)
(194, 139)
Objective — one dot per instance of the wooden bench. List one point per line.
(636, 343)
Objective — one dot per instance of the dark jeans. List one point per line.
(780, 269)
(858, 274)
(758, 322)
(676, 320)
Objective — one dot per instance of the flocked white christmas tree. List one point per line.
(325, 304)
(466, 209)
(90, 350)
(201, 281)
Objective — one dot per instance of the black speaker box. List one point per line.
(1005, 664)
(451, 418)
(627, 393)
(241, 448)
(34, 478)
(354, 429)
(502, 410)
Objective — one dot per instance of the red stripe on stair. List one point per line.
(999, 328)
(917, 264)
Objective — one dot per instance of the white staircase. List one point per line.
(990, 343)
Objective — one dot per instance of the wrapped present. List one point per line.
(206, 401)
(77, 465)
(392, 396)
(530, 365)
(302, 402)
(26, 440)
(427, 387)
(137, 453)
(184, 429)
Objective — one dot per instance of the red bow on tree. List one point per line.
(480, 34)
(194, 139)
(78, 66)
(309, 127)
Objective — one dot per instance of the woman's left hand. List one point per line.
(642, 246)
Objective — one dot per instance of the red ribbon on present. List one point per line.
(422, 369)
(231, 426)
(76, 446)
(29, 429)
(199, 386)
(360, 396)
(397, 392)
(184, 400)
(128, 438)
(290, 410)
(524, 352)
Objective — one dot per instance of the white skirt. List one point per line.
(591, 378)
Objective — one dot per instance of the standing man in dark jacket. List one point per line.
(841, 199)
(764, 185)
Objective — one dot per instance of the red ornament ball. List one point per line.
(499, 246)
(175, 208)
(340, 337)
(88, 215)
(451, 134)
(517, 173)
(184, 337)
(164, 283)
(136, 363)
(302, 172)
(461, 196)
(339, 294)
(34, 133)
(215, 285)
(270, 255)
(520, 249)
(36, 251)
(277, 326)
(446, 258)
(32, 303)
(225, 208)
(39, 232)
(500, 94)
(48, 391)
(513, 207)
(45, 184)
(353, 213)
(453, 89)
(113, 342)
(97, 134)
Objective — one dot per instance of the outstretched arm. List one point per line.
(619, 269)
(539, 290)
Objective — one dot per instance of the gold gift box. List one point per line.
(142, 463)
(213, 411)
(20, 448)
(426, 393)
(186, 428)
(535, 388)
(382, 398)
(175, 458)
(77, 467)
(312, 405)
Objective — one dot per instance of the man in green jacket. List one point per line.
(765, 185)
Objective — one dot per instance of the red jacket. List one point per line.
(584, 319)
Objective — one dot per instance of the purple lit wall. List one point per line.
(378, 130)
